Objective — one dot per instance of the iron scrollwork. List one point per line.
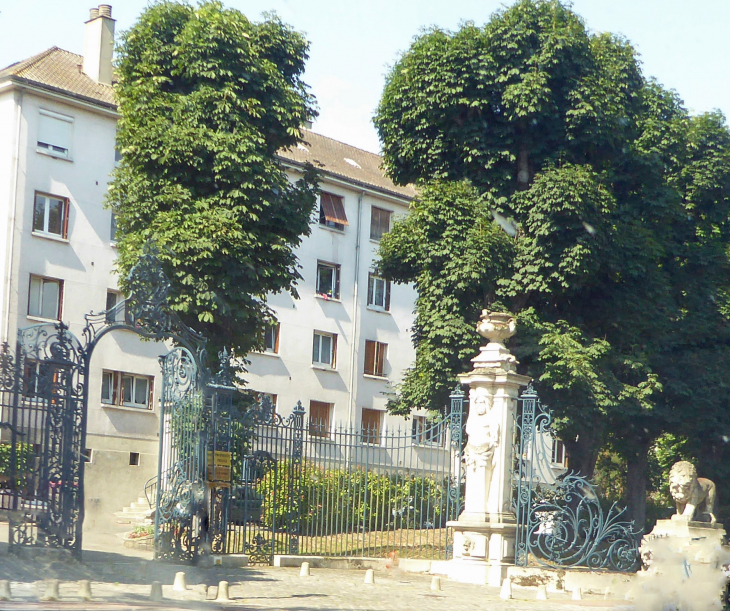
(560, 520)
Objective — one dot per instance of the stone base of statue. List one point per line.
(682, 528)
(483, 550)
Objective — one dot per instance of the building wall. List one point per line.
(290, 374)
(85, 263)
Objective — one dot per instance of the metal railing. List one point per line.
(306, 487)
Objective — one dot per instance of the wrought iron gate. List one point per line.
(307, 487)
(43, 387)
(561, 521)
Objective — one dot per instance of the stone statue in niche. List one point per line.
(482, 434)
(694, 496)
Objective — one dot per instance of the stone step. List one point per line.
(137, 505)
(136, 510)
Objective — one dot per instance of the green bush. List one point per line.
(24, 457)
(330, 501)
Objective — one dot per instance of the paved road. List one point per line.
(121, 581)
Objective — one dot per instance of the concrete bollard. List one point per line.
(156, 591)
(577, 594)
(541, 592)
(436, 583)
(5, 590)
(304, 571)
(506, 592)
(85, 589)
(51, 592)
(222, 592)
(369, 577)
(179, 585)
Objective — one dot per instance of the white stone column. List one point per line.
(484, 535)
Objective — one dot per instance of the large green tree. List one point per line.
(206, 99)
(617, 204)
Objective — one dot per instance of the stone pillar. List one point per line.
(484, 534)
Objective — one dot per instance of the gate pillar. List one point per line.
(484, 534)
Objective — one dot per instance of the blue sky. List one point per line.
(684, 44)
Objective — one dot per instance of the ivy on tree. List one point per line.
(615, 204)
(206, 98)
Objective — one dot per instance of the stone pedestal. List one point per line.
(484, 534)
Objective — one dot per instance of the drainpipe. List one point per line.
(355, 315)
(14, 204)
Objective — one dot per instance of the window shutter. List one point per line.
(387, 295)
(371, 282)
(334, 351)
(333, 208)
(55, 130)
(116, 380)
(380, 358)
(66, 207)
(337, 282)
(277, 330)
(369, 357)
(150, 404)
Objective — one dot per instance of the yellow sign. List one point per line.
(219, 474)
(221, 459)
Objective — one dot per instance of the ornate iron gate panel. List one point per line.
(193, 487)
(561, 521)
(305, 486)
(42, 395)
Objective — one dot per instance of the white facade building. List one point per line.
(339, 348)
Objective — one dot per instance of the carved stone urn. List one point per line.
(496, 327)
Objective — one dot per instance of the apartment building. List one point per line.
(339, 349)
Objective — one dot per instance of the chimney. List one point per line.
(99, 44)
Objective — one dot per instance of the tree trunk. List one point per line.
(523, 168)
(583, 452)
(636, 476)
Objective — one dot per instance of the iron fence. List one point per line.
(308, 487)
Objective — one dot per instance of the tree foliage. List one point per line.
(617, 203)
(206, 99)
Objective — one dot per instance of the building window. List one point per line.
(320, 418)
(50, 215)
(378, 293)
(54, 134)
(45, 297)
(134, 459)
(116, 308)
(371, 423)
(87, 454)
(126, 389)
(427, 432)
(558, 454)
(324, 349)
(328, 280)
(272, 398)
(271, 339)
(332, 211)
(374, 357)
(113, 229)
(379, 222)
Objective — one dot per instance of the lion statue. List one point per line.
(694, 496)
